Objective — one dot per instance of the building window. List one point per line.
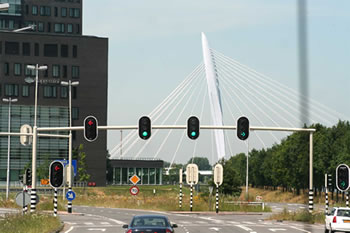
(64, 12)
(42, 11)
(71, 12)
(64, 50)
(11, 24)
(56, 11)
(70, 28)
(50, 92)
(11, 48)
(26, 49)
(75, 51)
(56, 71)
(50, 50)
(76, 13)
(27, 9)
(25, 90)
(75, 113)
(0, 47)
(75, 71)
(6, 68)
(45, 11)
(64, 71)
(64, 92)
(78, 28)
(48, 27)
(29, 72)
(36, 49)
(59, 27)
(46, 72)
(17, 69)
(40, 26)
(34, 10)
(11, 90)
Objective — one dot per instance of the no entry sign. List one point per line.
(134, 190)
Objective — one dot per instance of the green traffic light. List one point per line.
(342, 183)
(193, 134)
(144, 133)
(243, 134)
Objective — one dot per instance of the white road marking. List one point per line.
(88, 223)
(251, 223)
(277, 229)
(69, 230)
(244, 228)
(110, 219)
(71, 223)
(300, 229)
(232, 222)
(97, 229)
(215, 228)
(105, 223)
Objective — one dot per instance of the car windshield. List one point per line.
(149, 222)
(343, 213)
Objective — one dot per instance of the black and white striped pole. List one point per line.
(217, 198)
(55, 203)
(191, 198)
(311, 191)
(180, 181)
(326, 194)
(191, 179)
(218, 179)
(56, 174)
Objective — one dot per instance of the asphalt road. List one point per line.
(94, 219)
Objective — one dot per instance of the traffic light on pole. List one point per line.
(193, 127)
(90, 128)
(243, 128)
(28, 177)
(145, 127)
(56, 174)
(329, 182)
(342, 177)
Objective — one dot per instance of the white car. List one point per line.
(338, 220)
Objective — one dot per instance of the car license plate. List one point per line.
(346, 221)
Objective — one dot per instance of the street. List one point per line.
(96, 219)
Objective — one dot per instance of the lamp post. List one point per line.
(31, 27)
(35, 135)
(9, 100)
(70, 84)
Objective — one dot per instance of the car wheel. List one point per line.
(326, 230)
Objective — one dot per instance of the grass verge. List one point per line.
(301, 216)
(29, 223)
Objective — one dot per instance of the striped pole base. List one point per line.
(55, 203)
(180, 197)
(32, 200)
(327, 202)
(217, 198)
(191, 198)
(311, 200)
(70, 205)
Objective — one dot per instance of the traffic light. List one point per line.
(243, 128)
(193, 127)
(28, 177)
(145, 127)
(329, 182)
(20, 178)
(90, 128)
(342, 178)
(56, 174)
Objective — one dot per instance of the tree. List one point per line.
(82, 167)
(202, 163)
(43, 169)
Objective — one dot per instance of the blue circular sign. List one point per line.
(70, 195)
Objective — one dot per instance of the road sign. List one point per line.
(218, 174)
(44, 182)
(180, 176)
(134, 190)
(19, 198)
(135, 179)
(258, 198)
(74, 164)
(192, 173)
(70, 195)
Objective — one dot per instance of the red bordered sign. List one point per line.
(134, 190)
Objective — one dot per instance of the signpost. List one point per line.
(218, 179)
(180, 182)
(134, 190)
(70, 195)
(191, 179)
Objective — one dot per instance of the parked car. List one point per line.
(338, 220)
(150, 224)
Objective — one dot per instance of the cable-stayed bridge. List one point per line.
(241, 91)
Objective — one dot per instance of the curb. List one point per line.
(59, 229)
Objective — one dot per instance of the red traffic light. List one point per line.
(90, 128)
(56, 175)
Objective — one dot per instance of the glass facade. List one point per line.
(15, 7)
(52, 148)
(148, 176)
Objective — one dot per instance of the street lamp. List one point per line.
(9, 100)
(4, 6)
(70, 84)
(33, 191)
(31, 27)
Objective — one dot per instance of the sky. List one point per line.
(155, 44)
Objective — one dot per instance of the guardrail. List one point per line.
(246, 203)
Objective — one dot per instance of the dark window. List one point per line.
(50, 91)
(64, 50)
(36, 49)
(17, 67)
(64, 92)
(11, 90)
(63, 12)
(55, 71)
(71, 12)
(70, 28)
(0, 47)
(41, 27)
(75, 113)
(25, 90)
(29, 72)
(59, 27)
(75, 51)
(48, 11)
(74, 92)
(42, 11)
(56, 11)
(76, 13)
(48, 27)
(64, 71)
(78, 28)
(46, 72)
(50, 50)
(26, 49)
(6, 68)
(11, 48)
(34, 10)
(27, 9)
(11, 24)
(75, 71)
